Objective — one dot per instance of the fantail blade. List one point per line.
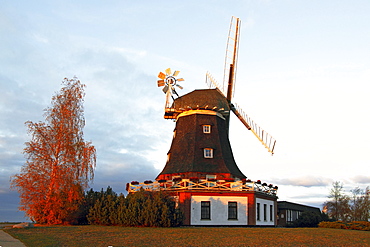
(161, 75)
(165, 89)
(160, 83)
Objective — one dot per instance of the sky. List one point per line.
(303, 76)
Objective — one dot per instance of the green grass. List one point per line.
(188, 236)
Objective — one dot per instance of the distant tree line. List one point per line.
(348, 208)
(345, 207)
(143, 208)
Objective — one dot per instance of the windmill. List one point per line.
(193, 154)
(200, 171)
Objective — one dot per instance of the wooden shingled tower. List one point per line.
(200, 147)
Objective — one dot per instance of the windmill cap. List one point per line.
(209, 99)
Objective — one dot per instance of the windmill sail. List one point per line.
(265, 138)
(227, 89)
(231, 57)
(212, 83)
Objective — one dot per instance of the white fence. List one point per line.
(187, 184)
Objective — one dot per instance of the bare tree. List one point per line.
(360, 204)
(59, 163)
(338, 206)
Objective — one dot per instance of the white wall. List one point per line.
(267, 221)
(219, 210)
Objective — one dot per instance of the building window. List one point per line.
(288, 215)
(211, 177)
(207, 129)
(205, 211)
(295, 215)
(233, 211)
(292, 215)
(208, 153)
(264, 212)
(258, 212)
(271, 213)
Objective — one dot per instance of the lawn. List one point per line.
(188, 236)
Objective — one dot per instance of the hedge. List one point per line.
(355, 225)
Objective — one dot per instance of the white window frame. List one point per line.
(232, 210)
(205, 210)
(208, 153)
(258, 211)
(211, 176)
(271, 213)
(207, 129)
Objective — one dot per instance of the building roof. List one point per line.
(297, 207)
(202, 98)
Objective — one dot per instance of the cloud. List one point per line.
(305, 181)
(123, 107)
(361, 179)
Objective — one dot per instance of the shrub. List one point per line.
(355, 225)
(307, 219)
(143, 208)
(104, 211)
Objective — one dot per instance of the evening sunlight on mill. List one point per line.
(142, 145)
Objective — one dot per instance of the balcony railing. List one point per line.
(187, 184)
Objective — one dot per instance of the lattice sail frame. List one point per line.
(265, 138)
(232, 51)
(229, 79)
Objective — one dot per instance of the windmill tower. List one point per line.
(201, 146)
(200, 169)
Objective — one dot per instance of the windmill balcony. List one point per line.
(201, 184)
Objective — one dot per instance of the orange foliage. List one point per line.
(355, 225)
(59, 163)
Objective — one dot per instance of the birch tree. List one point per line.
(59, 163)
